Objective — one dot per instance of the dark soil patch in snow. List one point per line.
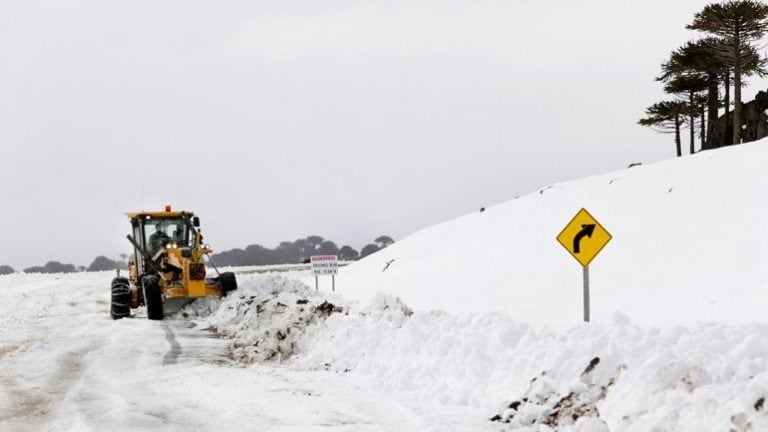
(542, 405)
(326, 309)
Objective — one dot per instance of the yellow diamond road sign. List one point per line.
(584, 237)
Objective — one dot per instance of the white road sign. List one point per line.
(324, 264)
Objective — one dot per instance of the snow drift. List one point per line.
(620, 375)
(617, 376)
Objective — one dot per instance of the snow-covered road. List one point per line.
(65, 366)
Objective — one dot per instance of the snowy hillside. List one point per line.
(690, 243)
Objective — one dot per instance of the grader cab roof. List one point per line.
(168, 213)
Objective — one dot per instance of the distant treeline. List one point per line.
(100, 263)
(52, 267)
(297, 252)
(286, 252)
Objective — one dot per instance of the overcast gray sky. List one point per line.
(274, 120)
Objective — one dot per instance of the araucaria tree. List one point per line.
(667, 117)
(689, 86)
(739, 23)
(689, 66)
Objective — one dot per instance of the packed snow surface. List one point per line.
(690, 243)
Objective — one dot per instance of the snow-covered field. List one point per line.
(475, 319)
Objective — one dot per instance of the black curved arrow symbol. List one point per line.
(586, 230)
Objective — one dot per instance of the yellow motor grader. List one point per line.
(167, 269)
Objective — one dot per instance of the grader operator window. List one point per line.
(161, 232)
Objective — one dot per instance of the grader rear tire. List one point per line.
(153, 298)
(121, 298)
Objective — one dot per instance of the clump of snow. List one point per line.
(621, 319)
(266, 318)
(389, 308)
(591, 425)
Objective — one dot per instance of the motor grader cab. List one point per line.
(167, 269)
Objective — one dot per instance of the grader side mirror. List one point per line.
(196, 221)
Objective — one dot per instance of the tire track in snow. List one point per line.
(190, 344)
(33, 401)
(172, 356)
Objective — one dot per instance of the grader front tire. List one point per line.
(153, 298)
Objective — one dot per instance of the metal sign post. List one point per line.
(584, 238)
(586, 293)
(317, 284)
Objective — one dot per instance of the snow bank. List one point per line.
(616, 376)
(265, 318)
(689, 244)
(582, 378)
